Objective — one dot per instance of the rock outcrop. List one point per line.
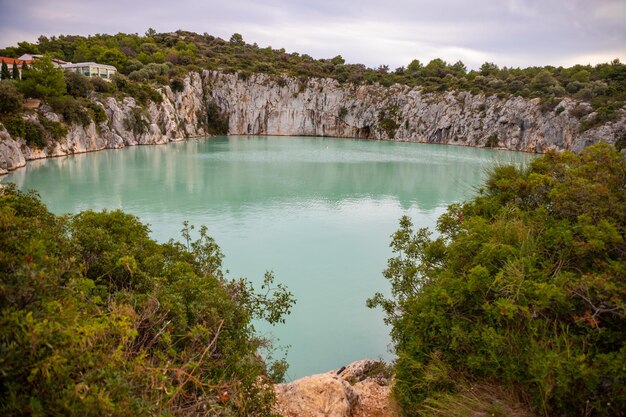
(177, 117)
(269, 105)
(261, 105)
(361, 389)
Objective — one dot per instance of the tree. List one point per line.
(4, 71)
(338, 60)
(436, 68)
(415, 66)
(524, 287)
(43, 80)
(459, 68)
(236, 38)
(16, 71)
(543, 81)
(488, 68)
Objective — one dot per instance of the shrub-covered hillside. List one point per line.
(97, 319)
(524, 287)
(161, 58)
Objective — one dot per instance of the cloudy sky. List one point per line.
(508, 32)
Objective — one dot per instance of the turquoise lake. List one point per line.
(318, 212)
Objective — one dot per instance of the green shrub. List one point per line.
(34, 135)
(96, 112)
(603, 115)
(101, 86)
(15, 125)
(77, 85)
(99, 319)
(621, 142)
(56, 130)
(136, 121)
(177, 85)
(72, 110)
(10, 98)
(32, 132)
(525, 287)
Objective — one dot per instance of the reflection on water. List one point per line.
(318, 211)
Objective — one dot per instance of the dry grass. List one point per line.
(477, 400)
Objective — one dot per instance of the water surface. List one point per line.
(319, 212)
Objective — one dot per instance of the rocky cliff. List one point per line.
(266, 105)
(177, 117)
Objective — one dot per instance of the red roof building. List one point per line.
(19, 62)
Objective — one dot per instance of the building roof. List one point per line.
(91, 64)
(30, 57)
(10, 61)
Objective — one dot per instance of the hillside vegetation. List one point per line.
(97, 319)
(157, 59)
(523, 287)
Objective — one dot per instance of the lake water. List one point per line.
(319, 212)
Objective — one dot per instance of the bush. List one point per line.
(56, 130)
(10, 98)
(77, 85)
(72, 110)
(139, 91)
(34, 135)
(15, 125)
(96, 112)
(99, 319)
(101, 86)
(177, 85)
(525, 286)
(136, 121)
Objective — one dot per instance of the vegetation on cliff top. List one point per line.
(97, 319)
(163, 58)
(524, 287)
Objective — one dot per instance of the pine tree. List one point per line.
(16, 71)
(24, 69)
(4, 72)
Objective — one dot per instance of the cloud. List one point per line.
(507, 32)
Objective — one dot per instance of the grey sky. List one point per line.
(507, 32)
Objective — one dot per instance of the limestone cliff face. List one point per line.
(128, 124)
(268, 105)
(323, 107)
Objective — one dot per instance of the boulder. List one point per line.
(361, 389)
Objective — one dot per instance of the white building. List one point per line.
(92, 69)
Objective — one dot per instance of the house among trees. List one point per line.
(88, 69)
(92, 69)
(58, 63)
(11, 65)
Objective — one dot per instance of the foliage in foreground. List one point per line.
(524, 287)
(97, 319)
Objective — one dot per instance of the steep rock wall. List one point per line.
(265, 105)
(177, 117)
(323, 107)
